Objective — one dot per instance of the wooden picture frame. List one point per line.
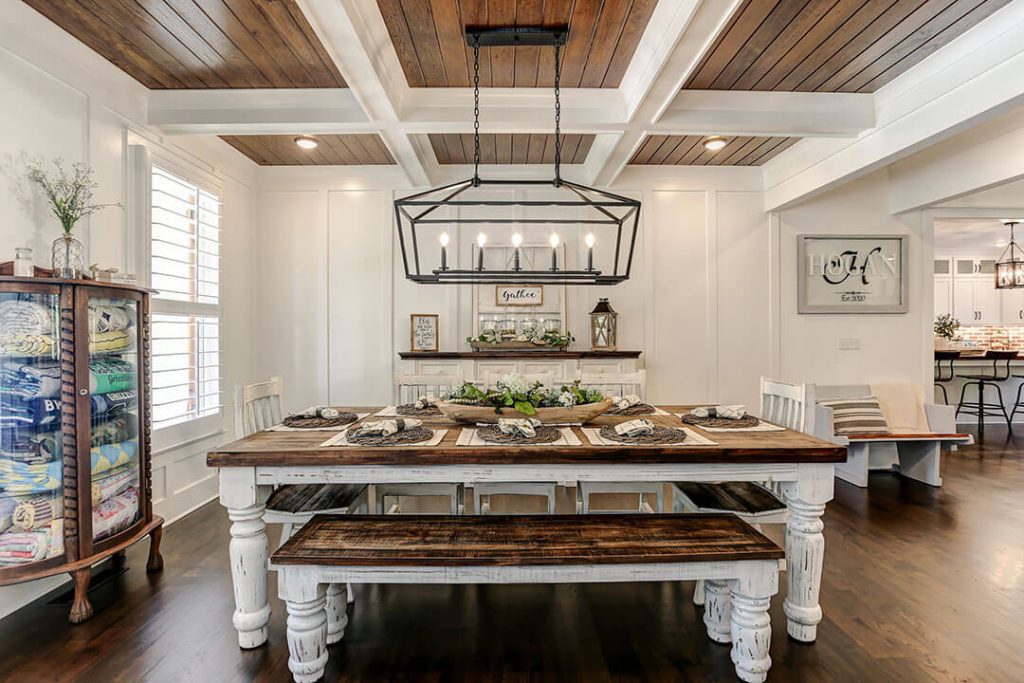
(424, 332)
(852, 274)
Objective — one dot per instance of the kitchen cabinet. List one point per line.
(976, 301)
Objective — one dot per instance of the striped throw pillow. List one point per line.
(857, 416)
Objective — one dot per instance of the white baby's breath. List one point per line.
(514, 382)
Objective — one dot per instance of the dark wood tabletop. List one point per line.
(295, 448)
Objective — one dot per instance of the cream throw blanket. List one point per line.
(903, 405)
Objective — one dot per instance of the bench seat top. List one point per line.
(521, 540)
(966, 438)
(303, 498)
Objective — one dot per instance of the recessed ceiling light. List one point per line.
(306, 142)
(714, 143)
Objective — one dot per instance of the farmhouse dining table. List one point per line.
(250, 468)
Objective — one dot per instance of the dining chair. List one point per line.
(413, 386)
(783, 404)
(258, 408)
(615, 383)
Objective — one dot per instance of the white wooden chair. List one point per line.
(787, 405)
(619, 384)
(257, 408)
(413, 386)
(482, 491)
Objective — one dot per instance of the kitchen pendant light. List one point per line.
(1010, 266)
(607, 220)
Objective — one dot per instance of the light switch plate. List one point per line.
(848, 343)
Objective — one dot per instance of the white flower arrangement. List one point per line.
(514, 382)
(566, 399)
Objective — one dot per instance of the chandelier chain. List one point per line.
(558, 114)
(476, 110)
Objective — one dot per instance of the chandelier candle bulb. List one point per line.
(517, 240)
(444, 251)
(589, 239)
(481, 240)
(553, 241)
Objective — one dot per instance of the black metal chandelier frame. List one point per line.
(601, 207)
(1010, 271)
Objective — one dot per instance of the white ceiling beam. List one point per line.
(257, 111)
(354, 34)
(975, 78)
(656, 81)
(791, 114)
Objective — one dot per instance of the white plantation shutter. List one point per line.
(185, 270)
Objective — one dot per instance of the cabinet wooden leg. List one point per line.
(119, 559)
(81, 608)
(156, 560)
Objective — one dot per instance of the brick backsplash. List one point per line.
(994, 336)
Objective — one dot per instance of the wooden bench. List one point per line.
(915, 456)
(739, 565)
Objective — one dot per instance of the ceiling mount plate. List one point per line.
(521, 35)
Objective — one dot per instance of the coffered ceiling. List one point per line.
(831, 45)
(689, 150)
(515, 148)
(429, 37)
(331, 150)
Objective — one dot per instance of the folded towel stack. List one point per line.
(385, 427)
(634, 428)
(733, 412)
(26, 317)
(526, 427)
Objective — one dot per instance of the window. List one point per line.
(185, 270)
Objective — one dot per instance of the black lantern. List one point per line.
(608, 220)
(1010, 266)
(603, 326)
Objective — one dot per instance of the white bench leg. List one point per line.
(337, 616)
(698, 592)
(855, 469)
(306, 602)
(920, 461)
(751, 636)
(717, 610)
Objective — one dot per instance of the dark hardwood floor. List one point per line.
(921, 584)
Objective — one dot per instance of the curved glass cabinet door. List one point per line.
(31, 468)
(115, 423)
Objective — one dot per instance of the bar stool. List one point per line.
(1000, 373)
(942, 376)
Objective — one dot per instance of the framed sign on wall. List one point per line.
(519, 295)
(852, 274)
(423, 332)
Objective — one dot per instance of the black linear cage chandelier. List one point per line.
(595, 209)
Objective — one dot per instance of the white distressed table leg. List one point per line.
(698, 592)
(305, 600)
(750, 624)
(805, 548)
(717, 608)
(337, 617)
(248, 553)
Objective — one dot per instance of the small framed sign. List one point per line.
(423, 332)
(519, 295)
(852, 274)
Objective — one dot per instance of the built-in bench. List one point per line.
(739, 565)
(914, 455)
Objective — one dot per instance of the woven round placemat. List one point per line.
(402, 438)
(638, 409)
(744, 422)
(661, 435)
(411, 410)
(545, 434)
(299, 422)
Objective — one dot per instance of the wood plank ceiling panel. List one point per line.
(428, 36)
(175, 44)
(509, 148)
(333, 150)
(688, 150)
(831, 45)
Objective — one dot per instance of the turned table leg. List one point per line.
(751, 636)
(337, 617)
(717, 608)
(156, 560)
(805, 550)
(81, 608)
(248, 553)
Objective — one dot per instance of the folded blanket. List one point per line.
(110, 317)
(519, 427)
(634, 428)
(7, 506)
(118, 481)
(325, 412)
(42, 380)
(19, 478)
(627, 401)
(385, 427)
(115, 514)
(114, 430)
(43, 414)
(26, 317)
(114, 341)
(38, 512)
(733, 412)
(27, 345)
(109, 456)
(22, 547)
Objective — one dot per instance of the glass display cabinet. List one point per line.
(74, 429)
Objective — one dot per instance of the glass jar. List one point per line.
(23, 266)
(530, 326)
(552, 325)
(488, 325)
(507, 328)
(67, 257)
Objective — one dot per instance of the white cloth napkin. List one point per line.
(385, 427)
(522, 427)
(733, 412)
(634, 428)
(627, 401)
(424, 402)
(326, 412)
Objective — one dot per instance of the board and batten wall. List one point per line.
(63, 100)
